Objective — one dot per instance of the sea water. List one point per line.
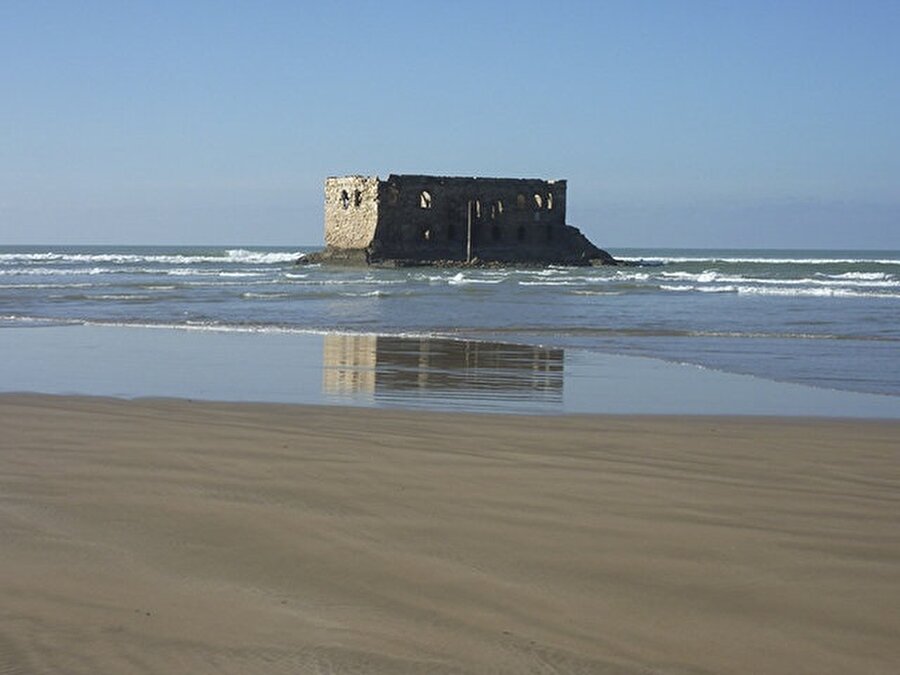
(829, 319)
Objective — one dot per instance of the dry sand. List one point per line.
(180, 537)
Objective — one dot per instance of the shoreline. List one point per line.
(190, 536)
(41, 397)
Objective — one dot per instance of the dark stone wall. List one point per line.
(426, 217)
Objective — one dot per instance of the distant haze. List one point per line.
(764, 124)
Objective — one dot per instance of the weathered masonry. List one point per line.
(408, 220)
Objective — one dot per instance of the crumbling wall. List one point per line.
(351, 211)
(427, 217)
(420, 219)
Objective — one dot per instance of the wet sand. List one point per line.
(162, 536)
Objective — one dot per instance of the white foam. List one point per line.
(50, 271)
(55, 286)
(710, 276)
(783, 291)
(551, 283)
(864, 276)
(126, 297)
(231, 256)
(661, 260)
(264, 296)
(460, 279)
(366, 294)
(267, 258)
(241, 274)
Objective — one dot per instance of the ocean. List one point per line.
(826, 319)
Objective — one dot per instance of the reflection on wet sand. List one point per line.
(406, 370)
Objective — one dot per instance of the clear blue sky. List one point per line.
(759, 124)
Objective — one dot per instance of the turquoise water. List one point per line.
(829, 319)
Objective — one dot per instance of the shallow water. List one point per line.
(390, 371)
(825, 318)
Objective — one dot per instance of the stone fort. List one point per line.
(408, 220)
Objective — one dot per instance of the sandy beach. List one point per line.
(164, 536)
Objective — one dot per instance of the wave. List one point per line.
(264, 296)
(50, 286)
(50, 271)
(366, 294)
(105, 297)
(240, 255)
(865, 280)
(667, 260)
(780, 291)
(864, 276)
(121, 271)
(230, 256)
(460, 279)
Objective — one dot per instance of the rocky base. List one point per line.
(571, 248)
(361, 258)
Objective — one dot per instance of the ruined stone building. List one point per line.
(429, 219)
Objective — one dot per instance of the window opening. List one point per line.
(425, 199)
(345, 199)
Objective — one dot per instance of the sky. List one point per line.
(677, 124)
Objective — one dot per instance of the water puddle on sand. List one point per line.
(391, 371)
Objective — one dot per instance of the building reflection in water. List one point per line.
(429, 371)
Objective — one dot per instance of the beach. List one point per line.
(163, 535)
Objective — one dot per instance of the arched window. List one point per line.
(520, 201)
(357, 198)
(549, 201)
(425, 199)
(393, 196)
(345, 199)
(538, 201)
